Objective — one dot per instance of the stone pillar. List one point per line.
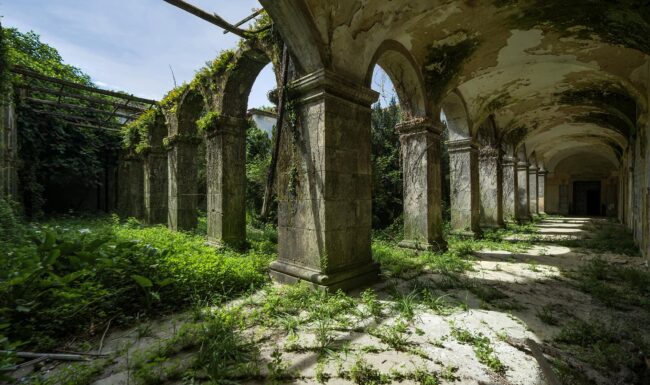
(155, 174)
(131, 187)
(155, 187)
(324, 186)
(522, 194)
(532, 190)
(491, 187)
(541, 190)
(226, 181)
(420, 142)
(510, 201)
(8, 150)
(182, 165)
(465, 200)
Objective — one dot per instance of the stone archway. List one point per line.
(420, 148)
(463, 167)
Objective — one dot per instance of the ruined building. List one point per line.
(546, 103)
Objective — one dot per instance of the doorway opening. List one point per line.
(587, 198)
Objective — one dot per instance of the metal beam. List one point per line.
(80, 108)
(35, 75)
(214, 19)
(83, 97)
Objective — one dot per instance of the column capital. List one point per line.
(463, 145)
(321, 83)
(227, 125)
(542, 172)
(533, 169)
(419, 125)
(508, 160)
(521, 165)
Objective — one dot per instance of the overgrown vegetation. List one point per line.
(72, 275)
(55, 155)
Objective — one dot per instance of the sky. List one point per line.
(130, 45)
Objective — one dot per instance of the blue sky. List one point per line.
(129, 45)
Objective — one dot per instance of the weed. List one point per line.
(482, 348)
(547, 315)
(396, 336)
(362, 373)
(373, 306)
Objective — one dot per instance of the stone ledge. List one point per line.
(347, 279)
(423, 246)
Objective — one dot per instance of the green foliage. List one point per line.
(386, 167)
(363, 373)
(71, 274)
(258, 162)
(482, 348)
(224, 352)
(54, 154)
(207, 122)
(4, 67)
(136, 134)
(608, 346)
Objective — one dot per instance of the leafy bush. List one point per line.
(72, 276)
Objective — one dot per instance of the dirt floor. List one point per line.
(559, 312)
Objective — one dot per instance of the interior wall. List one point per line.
(560, 188)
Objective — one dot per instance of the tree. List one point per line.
(54, 155)
(387, 192)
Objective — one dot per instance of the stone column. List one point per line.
(324, 186)
(8, 150)
(532, 190)
(491, 188)
(463, 172)
(510, 189)
(155, 187)
(420, 142)
(226, 181)
(522, 187)
(182, 165)
(131, 187)
(541, 190)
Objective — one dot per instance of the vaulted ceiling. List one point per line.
(569, 77)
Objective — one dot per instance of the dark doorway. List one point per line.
(586, 198)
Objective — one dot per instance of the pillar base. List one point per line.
(347, 279)
(466, 234)
(423, 246)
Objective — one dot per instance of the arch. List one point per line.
(402, 69)
(190, 107)
(246, 65)
(457, 118)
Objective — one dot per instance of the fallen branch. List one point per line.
(47, 356)
(522, 345)
(23, 365)
(101, 343)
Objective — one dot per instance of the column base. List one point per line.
(468, 234)
(221, 244)
(423, 246)
(347, 279)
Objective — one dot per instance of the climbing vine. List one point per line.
(54, 154)
(444, 61)
(136, 133)
(207, 122)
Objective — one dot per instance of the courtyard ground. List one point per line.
(564, 301)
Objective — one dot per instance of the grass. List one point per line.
(608, 345)
(482, 348)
